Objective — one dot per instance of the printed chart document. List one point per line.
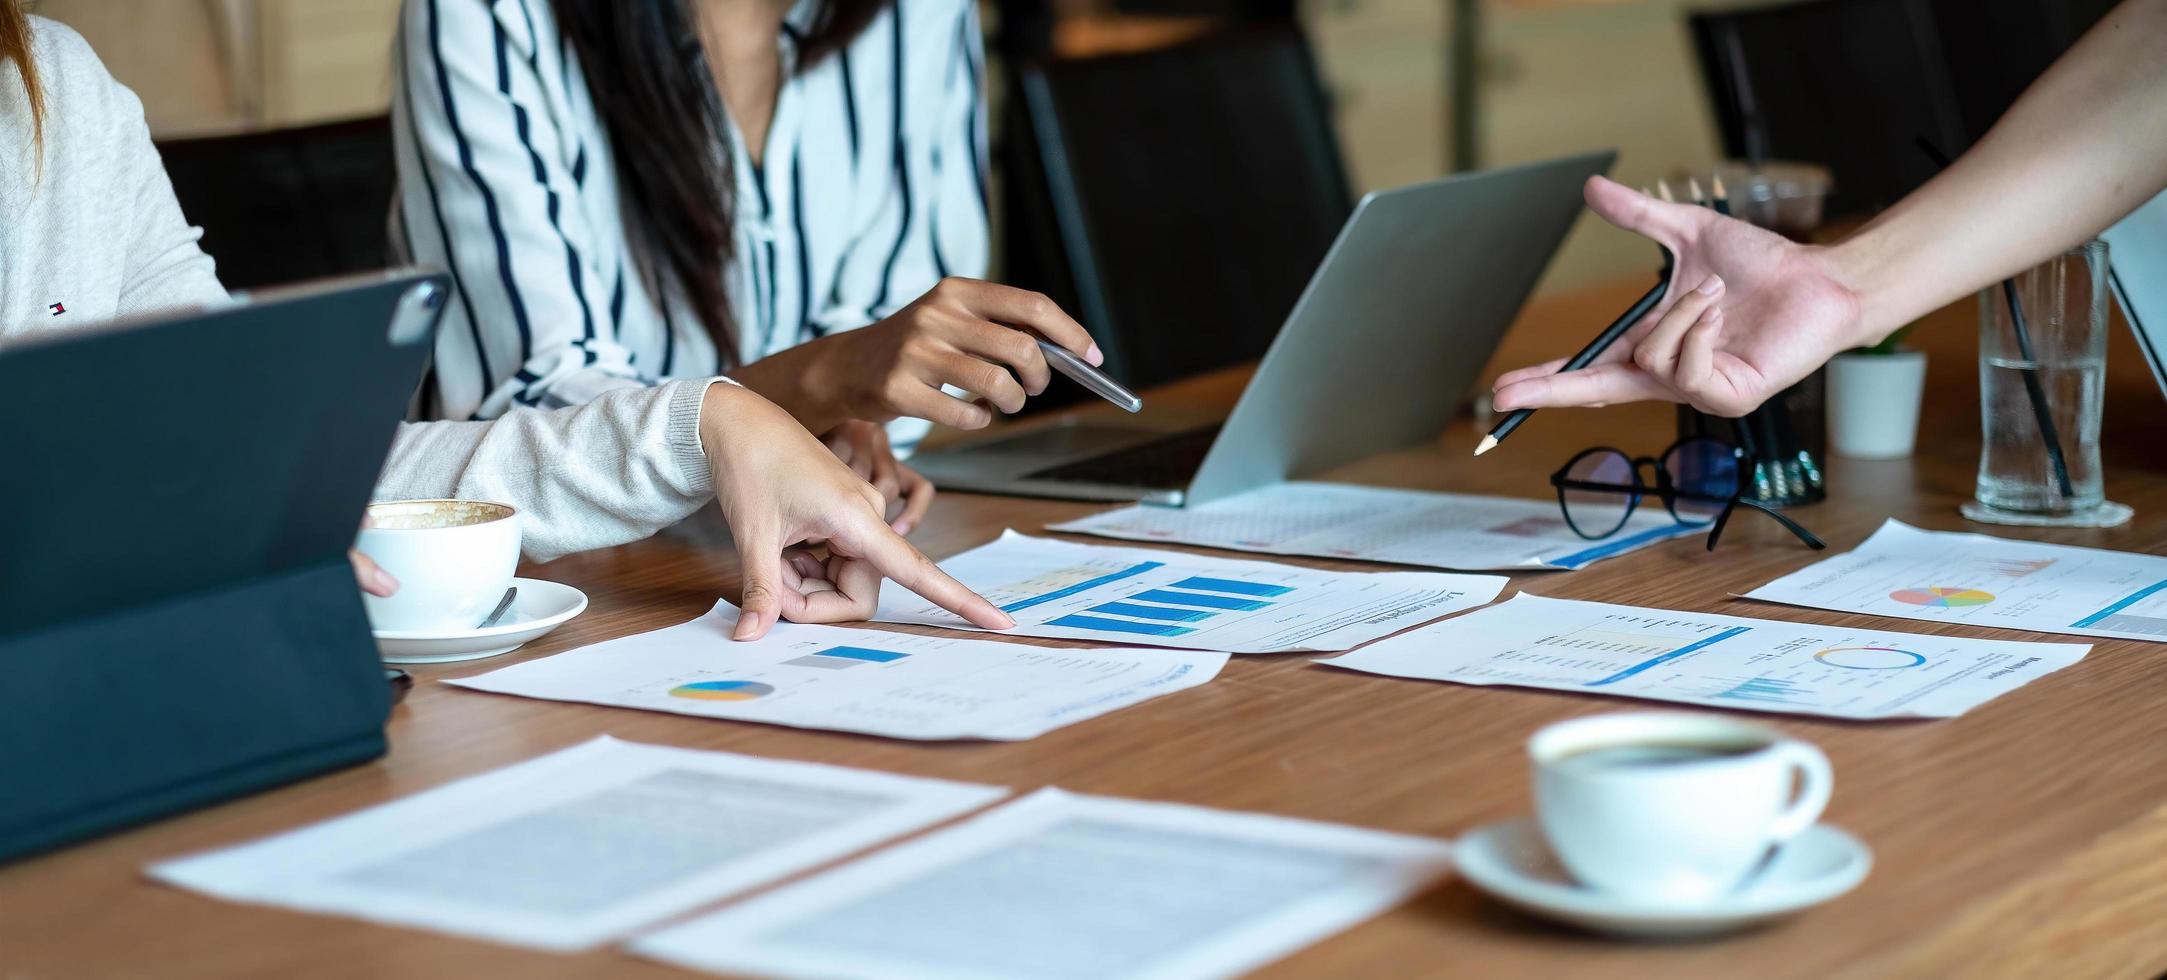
(1067, 888)
(1407, 527)
(580, 846)
(1716, 661)
(1978, 580)
(1165, 598)
(851, 680)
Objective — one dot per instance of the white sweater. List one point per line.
(870, 190)
(91, 231)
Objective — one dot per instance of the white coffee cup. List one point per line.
(453, 560)
(1677, 807)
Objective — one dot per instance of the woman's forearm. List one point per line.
(2085, 145)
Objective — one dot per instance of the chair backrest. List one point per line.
(290, 204)
(1175, 200)
(1851, 84)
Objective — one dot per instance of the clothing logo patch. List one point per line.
(57, 309)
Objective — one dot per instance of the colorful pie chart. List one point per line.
(1942, 596)
(722, 690)
(1870, 658)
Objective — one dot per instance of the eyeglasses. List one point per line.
(1701, 481)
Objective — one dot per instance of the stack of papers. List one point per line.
(873, 682)
(1062, 886)
(1406, 527)
(1715, 661)
(1979, 580)
(595, 842)
(578, 847)
(1166, 598)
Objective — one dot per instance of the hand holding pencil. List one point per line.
(1747, 314)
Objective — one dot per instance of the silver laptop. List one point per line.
(2137, 255)
(1405, 309)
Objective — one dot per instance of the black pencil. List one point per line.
(2037, 392)
(1588, 354)
(1610, 334)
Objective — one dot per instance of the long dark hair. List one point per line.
(648, 76)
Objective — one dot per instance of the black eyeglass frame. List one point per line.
(1667, 490)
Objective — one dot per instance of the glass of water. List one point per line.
(2048, 474)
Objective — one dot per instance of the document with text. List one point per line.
(1713, 661)
(1072, 887)
(1978, 580)
(577, 847)
(873, 682)
(1405, 527)
(1167, 598)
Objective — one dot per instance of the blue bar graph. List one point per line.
(861, 653)
(1673, 655)
(1082, 622)
(1159, 613)
(1234, 586)
(1198, 599)
(1133, 570)
(2119, 605)
(1771, 689)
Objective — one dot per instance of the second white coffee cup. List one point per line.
(453, 560)
(1670, 806)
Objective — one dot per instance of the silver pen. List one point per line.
(1090, 377)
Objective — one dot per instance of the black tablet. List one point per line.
(178, 619)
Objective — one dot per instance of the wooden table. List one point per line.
(2026, 838)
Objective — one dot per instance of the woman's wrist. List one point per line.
(794, 381)
(721, 406)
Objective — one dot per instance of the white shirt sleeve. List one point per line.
(163, 267)
(486, 192)
(616, 469)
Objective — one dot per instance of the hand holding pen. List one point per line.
(1776, 311)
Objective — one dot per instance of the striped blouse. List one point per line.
(872, 188)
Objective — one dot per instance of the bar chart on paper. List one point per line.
(1980, 580)
(879, 683)
(1718, 661)
(1135, 595)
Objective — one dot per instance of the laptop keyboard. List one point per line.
(1160, 464)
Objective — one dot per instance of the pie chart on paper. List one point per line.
(722, 690)
(1942, 596)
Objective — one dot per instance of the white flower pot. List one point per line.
(1873, 403)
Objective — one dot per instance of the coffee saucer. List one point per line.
(1513, 864)
(539, 607)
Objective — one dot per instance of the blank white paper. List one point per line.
(873, 682)
(1068, 887)
(1167, 598)
(577, 847)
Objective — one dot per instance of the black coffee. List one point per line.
(1648, 755)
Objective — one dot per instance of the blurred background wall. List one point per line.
(1413, 88)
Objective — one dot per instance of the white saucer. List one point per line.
(1512, 863)
(539, 607)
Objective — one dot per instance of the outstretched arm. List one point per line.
(2085, 145)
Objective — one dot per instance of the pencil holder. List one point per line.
(1787, 437)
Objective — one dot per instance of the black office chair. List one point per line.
(288, 204)
(1851, 84)
(1176, 200)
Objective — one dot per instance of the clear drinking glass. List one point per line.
(2059, 375)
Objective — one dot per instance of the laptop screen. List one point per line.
(2137, 260)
